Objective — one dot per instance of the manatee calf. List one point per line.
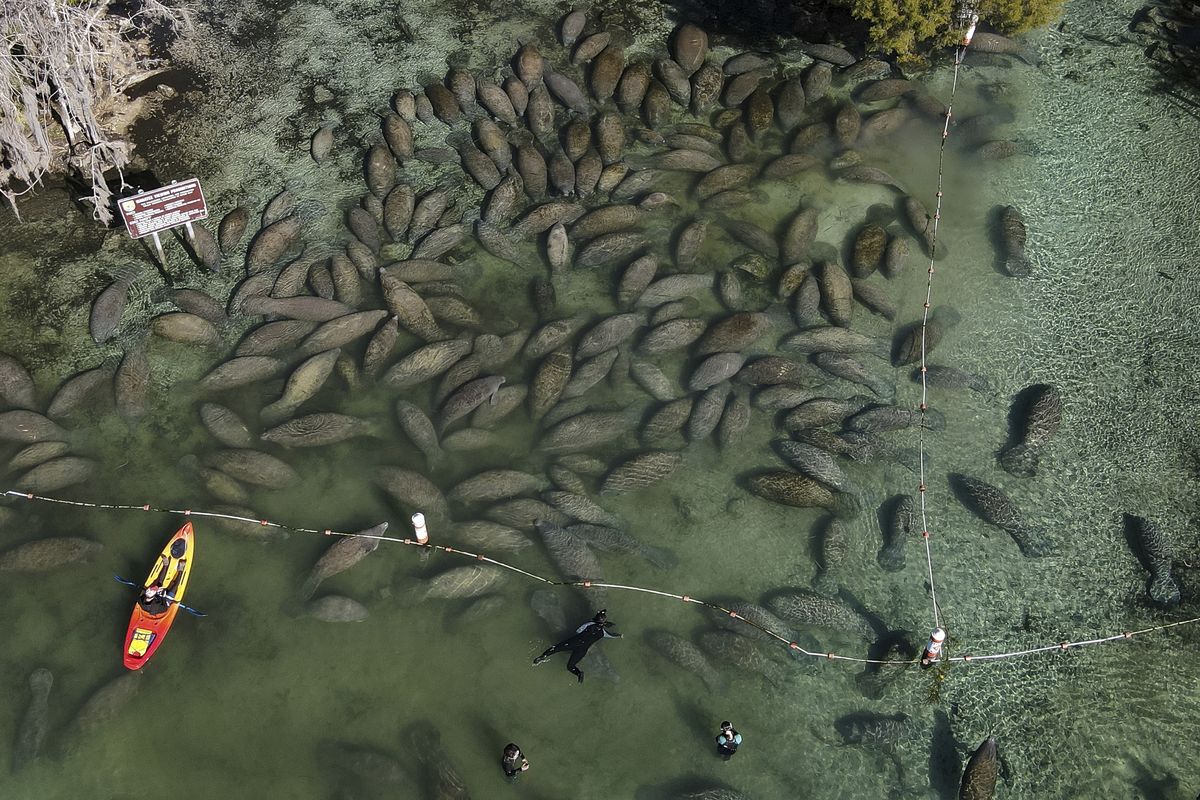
(1012, 238)
(685, 655)
(913, 342)
(469, 581)
(902, 521)
(32, 731)
(336, 608)
(1036, 417)
(979, 778)
(341, 556)
(942, 377)
(1154, 551)
(993, 507)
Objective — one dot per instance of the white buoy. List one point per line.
(418, 523)
(933, 650)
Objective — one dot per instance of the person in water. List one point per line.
(728, 740)
(513, 761)
(155, 597)
(585, 636)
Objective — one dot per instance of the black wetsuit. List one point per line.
(585, 636)
(512, 764)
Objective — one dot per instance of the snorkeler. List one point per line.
(585, 636)
(728, 740)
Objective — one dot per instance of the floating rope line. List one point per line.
(959, 53)
(595, 584)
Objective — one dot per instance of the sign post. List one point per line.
(148, 213)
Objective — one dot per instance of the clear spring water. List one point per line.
(254, 701)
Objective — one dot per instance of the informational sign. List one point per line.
(179, 203)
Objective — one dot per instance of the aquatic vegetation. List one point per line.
(909, 27)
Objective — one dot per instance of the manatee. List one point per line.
(875, 298)
(799, 236)
(584, 431)
(995, 508)
(468, 397)
(567, 92)
(103, 706)
(272, 243)
(914, 343)
(501, 205)
(902, 524)
(715, 369)
(312, 309)
(1012, 236)
(771, 370)
(108, 307)
(495, 484)
(426, 212)
(816, 80)
(497, 100)
(1037, 415)
(885, 418)
(652, 379)
(685, 160)
(549, 381)
(667, 421)
(849, 368)
(481, 167)
(640, 471)
(539, 116)
(821, 411)
(707, 411)
(804, 607)
(31, 733)
(789, 165)
(40, 555)
(523, 513)
(894, 257)
(253, 467)
(634, 280)
(834, 339)
(942, 377)
(674, 287)
(55, 474)
(551, 336)
(441, 240)
(734, 650)
(37, 453)
(469, 439)
(221, 486)
(240, 371)
(608, 333)
(1154, 551)
(610, 247)
(581, 508)
(734, 333)
(835, 55)
(868, 250)
(781, 397)
(336, 608)
(979, 778)
(425, 362)
(684, 654)
(590, 372)
(232, 228)
(469, 581)
(846, 124)
(79, 392)
(444, 104)
(318, 430)
(364, 227)
(881, 123)
(833, 545)
(131, 383)
(27, 427)
(542, 218)
(489, 536)
(225, 426)
(986, 42)
(792, 489)
(341, 556)
(815, 463)
(274, 337)
(412, 490)
(729, 176)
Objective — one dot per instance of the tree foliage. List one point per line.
(63, 66)
(904, 27)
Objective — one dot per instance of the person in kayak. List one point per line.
(585, 636)
(728, 740)
(155, 597)
(513, 761)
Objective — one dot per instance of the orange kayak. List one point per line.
(152, 618)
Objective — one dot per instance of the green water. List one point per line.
(255, 701)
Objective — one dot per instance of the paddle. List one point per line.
(188, 609)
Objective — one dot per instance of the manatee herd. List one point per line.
(657, 176)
